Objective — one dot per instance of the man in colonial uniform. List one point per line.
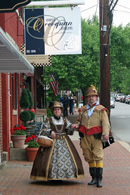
(93, 124)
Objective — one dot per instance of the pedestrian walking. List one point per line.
(61, 161)
(71, 104)
(61, 100)
(93, 124)
(65, 105)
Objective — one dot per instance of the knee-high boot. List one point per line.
(99, 176)
(92, 171)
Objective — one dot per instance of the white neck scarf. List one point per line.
(90, 110)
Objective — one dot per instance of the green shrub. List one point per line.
(32, 115)
(49, 113)
(25, 116)
(24, 99)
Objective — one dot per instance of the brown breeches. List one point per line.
(92, 149)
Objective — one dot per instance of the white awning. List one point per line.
(11, 59)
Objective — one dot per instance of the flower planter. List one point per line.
(31, 153)
(18, 141)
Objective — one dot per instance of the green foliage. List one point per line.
(25, 116)
(126, 83)
(32, 115)
(120, 58)
(21, 132)
(49, 113)
(80, 71)
(26, 102)
(33, 144)
(30, 99)
(24, 99)
(18, 130)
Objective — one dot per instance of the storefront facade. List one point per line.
(13, 67)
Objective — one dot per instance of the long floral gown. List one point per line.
(61, 161)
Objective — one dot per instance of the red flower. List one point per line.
(33, 137)
(22, 127)
(17, 128)
(12, 132)
(33, 110)
(27, 139)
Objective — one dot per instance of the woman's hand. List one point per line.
(53, 135)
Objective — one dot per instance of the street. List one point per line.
(120, 121)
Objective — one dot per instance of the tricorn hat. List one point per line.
(91, 91)
(57, 105)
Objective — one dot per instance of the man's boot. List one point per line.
(92, 171)
(99, 177)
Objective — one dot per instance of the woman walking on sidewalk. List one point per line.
(61, 161)
(93, 124)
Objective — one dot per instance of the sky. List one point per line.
(121, 14)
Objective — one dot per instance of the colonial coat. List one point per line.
(93, 127)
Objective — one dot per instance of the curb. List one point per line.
(125, 145)
(3, 164)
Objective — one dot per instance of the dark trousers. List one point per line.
(71, 109)
(65, 112)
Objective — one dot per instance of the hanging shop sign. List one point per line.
(53, 31)
(37, 60)
(56, 2)
(11, 6)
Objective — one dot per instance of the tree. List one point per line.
(80, 71)
(119, 55)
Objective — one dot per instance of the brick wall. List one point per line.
(1, 135)
(15, 30)
(5, 112)
(12, 24)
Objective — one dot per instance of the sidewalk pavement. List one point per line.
(14, 178)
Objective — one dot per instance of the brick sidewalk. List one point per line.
(14, 178)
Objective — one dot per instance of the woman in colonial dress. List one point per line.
(61, 161)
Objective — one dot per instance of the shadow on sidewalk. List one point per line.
(57, 182)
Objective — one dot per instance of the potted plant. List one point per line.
(32, 147)
(31, 123)
(18, 136)
(27, 113)
(25, 116)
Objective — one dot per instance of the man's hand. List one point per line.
(106, 137)
(74, 126)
